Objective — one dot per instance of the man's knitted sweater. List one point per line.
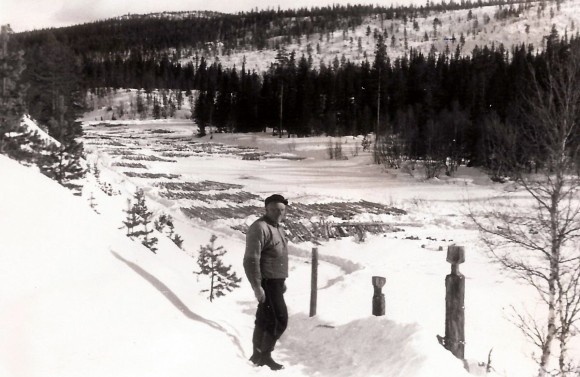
(266, 253)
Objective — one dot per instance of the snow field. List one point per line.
(95, 303)
(84, 299)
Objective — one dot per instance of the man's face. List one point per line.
(275, 211)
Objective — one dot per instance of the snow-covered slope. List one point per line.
(439, 31)
(78, 298)
(30, 125)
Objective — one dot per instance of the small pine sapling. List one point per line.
(137, 221)
(210, 263)
(161, 223)
(176, 238)
(132, 220)
(96, 171)
(145, 216)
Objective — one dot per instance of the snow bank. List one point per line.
(31, 125)
(373, 346)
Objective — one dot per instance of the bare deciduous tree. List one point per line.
(537, 237)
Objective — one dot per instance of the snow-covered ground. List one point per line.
(78, 298)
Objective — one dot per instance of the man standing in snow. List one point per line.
(266, 267)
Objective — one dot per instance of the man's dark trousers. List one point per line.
(272, 314)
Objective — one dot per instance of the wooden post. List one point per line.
(314, 282)
(281, 105)
(4, 37)
(378, 296)
(454, 303)
(378, 107)
(60, 108)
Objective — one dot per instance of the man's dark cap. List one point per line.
(276, 198)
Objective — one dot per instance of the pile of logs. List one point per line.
(133, 174)
(198, 186)
(213, 214)
(136, 165)
(306, 222)
(142, 157)
(236, 197)
(319, 231)
(342, 210)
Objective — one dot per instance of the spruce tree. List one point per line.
(15, 141)
(63, 162)
(138, 220)
(141, 110)
(210, 263)
(132, 221)
(51, 72)
(54, 98)
(145, 216)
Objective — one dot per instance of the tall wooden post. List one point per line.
(455, 303)
(378, 296)
(281, 112)
(60, 108)
(4, 37)
(378, 106)
(314, 282)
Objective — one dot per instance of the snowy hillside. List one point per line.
(79, 298)
(465, 29)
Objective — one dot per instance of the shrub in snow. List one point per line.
(105, 187)
(390, 150)
(164, 224)
(138, 220)
(96, 171)
(335, 151)
(92, 203)
(210, 263)
(433, 168)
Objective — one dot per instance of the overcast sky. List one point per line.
(25, 15)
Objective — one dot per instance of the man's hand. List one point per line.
(260, 294)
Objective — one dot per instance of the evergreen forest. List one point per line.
(433, 105)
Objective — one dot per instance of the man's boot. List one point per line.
(257, 345)
(268, 343)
